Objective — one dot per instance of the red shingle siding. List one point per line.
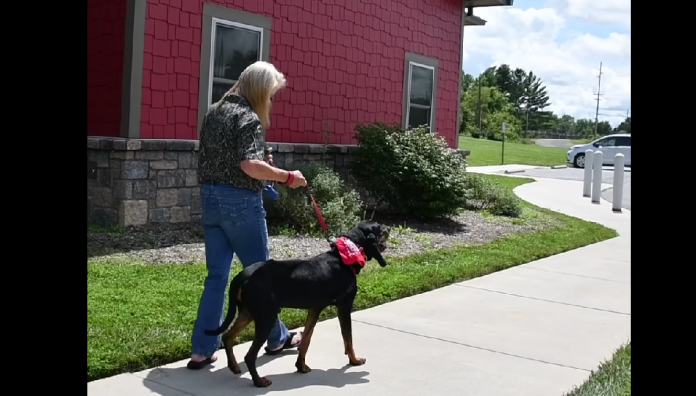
(105, 42)
(344, 61)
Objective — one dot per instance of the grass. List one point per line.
(612, 378)
(488, 152)
(141, 315)
(581, 141)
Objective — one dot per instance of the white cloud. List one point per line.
(616, 45)
(609, 12)
(569, 69)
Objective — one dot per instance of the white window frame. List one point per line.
(213, 33)
(408, 97)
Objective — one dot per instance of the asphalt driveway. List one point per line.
(562, 143)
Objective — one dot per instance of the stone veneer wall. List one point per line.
(134, 182)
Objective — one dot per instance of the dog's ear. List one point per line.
(371, 250)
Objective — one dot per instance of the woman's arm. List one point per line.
(260, 170)
(251, 152)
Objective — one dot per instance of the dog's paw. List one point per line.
(262, 382)
(358, 361)
(235, 369)
(302, 368)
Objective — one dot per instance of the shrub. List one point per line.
(493, 126)
(412, 171)
(487, 195)
(339, 204)
(477, 134)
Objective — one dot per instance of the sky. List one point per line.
(562, 42)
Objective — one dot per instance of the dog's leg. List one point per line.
(312, 317)
(264, 324)
(243, 320)
(347, 333)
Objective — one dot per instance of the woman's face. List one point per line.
(270, 98)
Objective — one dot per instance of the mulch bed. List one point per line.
(184, 243)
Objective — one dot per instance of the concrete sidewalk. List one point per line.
(535, 329)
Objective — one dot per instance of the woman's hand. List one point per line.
(298, 180)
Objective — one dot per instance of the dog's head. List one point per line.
(372, 237)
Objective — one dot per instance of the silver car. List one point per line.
(609, 145)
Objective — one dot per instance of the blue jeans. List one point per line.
(234, 222)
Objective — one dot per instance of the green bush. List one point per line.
(477, 134)
(487, 195)
(339, 204)
(412, 171)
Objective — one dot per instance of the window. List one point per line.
(607, 142)
(420, 91)
(231, 40)
(624, 141)
(234, 47)
(420, 95)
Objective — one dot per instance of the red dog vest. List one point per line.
(350, 253)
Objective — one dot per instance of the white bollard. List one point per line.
(587, 187)
(597, 176)
(618, 182)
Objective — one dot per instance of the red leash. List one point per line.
(318, 212)
(322, 223)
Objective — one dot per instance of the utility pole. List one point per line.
(599, 88)
(626, 113)
(526, 125)
(479, 104)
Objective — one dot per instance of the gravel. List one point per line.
(184, 243)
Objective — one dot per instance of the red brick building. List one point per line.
(154, 67)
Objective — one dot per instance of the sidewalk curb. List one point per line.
(559, 167)
(507, 172)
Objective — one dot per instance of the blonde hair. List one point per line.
(257, 84)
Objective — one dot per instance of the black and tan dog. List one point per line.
(260, 291)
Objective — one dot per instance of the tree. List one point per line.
(584, 127)
(624, 127)
(495, 109)
(518, 76)
(493, 126)
(534, 96)
(524, 90)
(504, 79)
(534, 93)
(468, 82)
(604, 128)
(542, 120)
(488, 77)
(565, 124)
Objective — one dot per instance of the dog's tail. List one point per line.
(232, 307)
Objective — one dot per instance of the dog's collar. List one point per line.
(349, 253)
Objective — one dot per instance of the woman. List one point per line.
(232, 174)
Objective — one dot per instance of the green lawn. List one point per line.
(141, 315)
(612, 378)
(488, 152)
